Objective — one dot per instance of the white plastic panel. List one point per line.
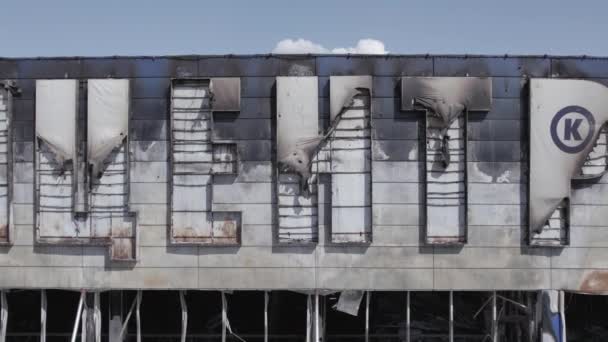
(297, 132)
(56, 114)
(108, 118)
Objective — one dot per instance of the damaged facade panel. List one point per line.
(56, 120)
(196, 158)
(298, 145)
(108, 166)
(567, 119)
(6, 96)
(81, 174)
(349, 148)
(226, 94)
(446, 102)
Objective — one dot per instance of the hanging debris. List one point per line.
(349, 302)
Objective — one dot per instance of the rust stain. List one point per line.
(122, 250)
(3, 231)
(595, 281)
(227, 228)
(121, 232)
(445, 241)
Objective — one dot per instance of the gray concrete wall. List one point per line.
(495, 257)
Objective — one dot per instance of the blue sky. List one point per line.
(111, 27)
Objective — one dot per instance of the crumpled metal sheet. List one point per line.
(11, 86)
(226, 94)
(108, 119)
(297, 124)
(349, 302)
(552, 168)
(56, 117)
(446, 98)
(342, 89)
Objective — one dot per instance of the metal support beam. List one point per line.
(78, 315)
(494, 319)
(224, 317)
(43, 316)
(97, 315)
(308, 318)
(451, 316)
(134, 306)
(367, 299)
(317, 312)
(407, 318)
(265, 316)
(184, 307)
(83, 321)
(562, 313)
(137, 315)
(3, 315)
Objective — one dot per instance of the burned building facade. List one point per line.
(317, 198)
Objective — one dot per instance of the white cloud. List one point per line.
(303, 46)
(298, 46)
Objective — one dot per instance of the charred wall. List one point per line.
(496, 255)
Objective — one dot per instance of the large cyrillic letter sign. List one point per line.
(82, 166)
(196, 157)
(567, 118)
(446, 101)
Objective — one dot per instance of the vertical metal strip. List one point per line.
(184, 307)
(97, 316)
(562, 314)
(367, 300)
(308, 318)
(224, 317)
(317, 339)
(43, 316)
(494, 319)
(83, 321)
(137, 315)
(265, 316)
(78, 314)
(407, 317)
(3, 315)
(451, 316)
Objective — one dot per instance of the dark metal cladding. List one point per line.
(387, 108)
(23, 110)
(149, 130)
(579, 67)
(502, 109)
(8, 68)
(260, 66)
(492, 66)
(153, 87)
(496, 130)
(149, 109)
(391, 129)
(232, 127)
(255, 150)
(257, 86)
(226, 94)
(495, 151)
(49, 68)
(507, 87)
(23, 131)
(385, 86)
